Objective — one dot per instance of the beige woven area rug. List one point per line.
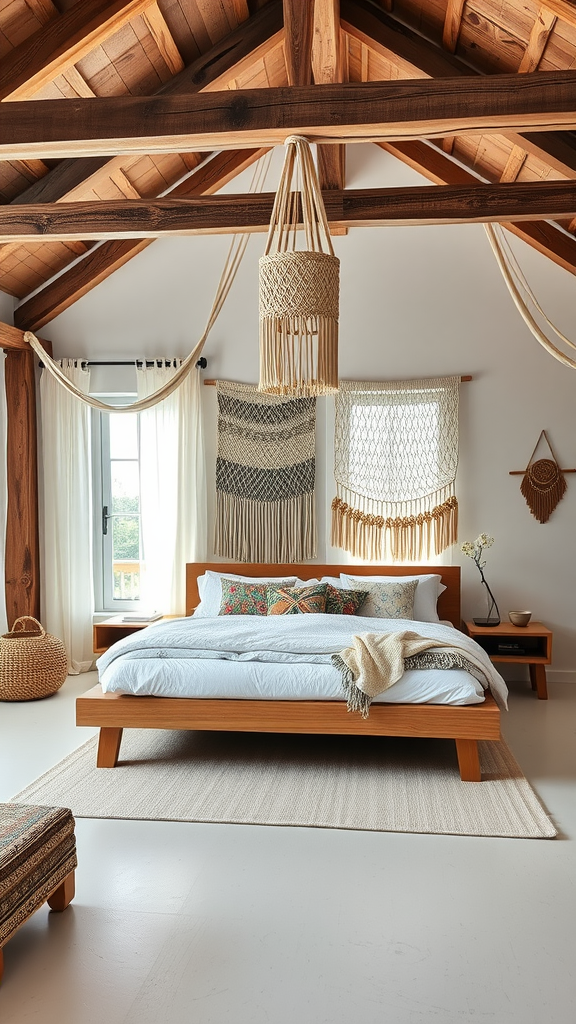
(389, 785)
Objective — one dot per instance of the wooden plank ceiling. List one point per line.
(66, 49)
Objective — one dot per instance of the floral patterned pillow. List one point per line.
(389, 600)
(297, 600)
(243, 598)
(344, 602)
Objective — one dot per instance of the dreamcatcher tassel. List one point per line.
(299, 289)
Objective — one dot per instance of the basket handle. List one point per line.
(28, 618)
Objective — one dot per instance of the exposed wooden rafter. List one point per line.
(367, 111)
(428, 160)
(415, 56)
(545, 21)
(327, 67)
(452, 22)
(157, 218)
(62, 42)
(105, 259)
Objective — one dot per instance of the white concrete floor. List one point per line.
(210, 924)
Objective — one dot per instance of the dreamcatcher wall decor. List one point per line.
(543, 484)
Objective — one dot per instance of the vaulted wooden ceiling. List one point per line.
(78, 50)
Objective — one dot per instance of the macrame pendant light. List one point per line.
(299, 289)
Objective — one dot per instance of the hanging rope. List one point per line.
(233, 260)
(516, 282)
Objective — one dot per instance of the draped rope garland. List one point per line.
(522, 294)
(234, 258)
(265, 476)
(299, 289)
(395, 461)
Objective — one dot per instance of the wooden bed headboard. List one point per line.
(448, 602)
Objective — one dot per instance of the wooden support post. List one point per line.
(22, 549)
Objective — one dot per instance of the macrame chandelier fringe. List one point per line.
(265, 531)
(404, 538)
(516, 284)
(233, 260)
(299, 289)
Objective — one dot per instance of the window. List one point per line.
(117, 533)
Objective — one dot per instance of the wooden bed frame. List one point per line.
(466, 724)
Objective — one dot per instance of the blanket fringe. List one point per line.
(356, 700)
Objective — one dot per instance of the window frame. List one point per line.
(104, 600)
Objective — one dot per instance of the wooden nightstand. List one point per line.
(527, 645)
(108, 631)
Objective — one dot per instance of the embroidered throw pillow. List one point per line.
(240, 598)
(297, 600)
(389, 600)
(344, 602)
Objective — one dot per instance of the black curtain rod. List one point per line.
(201, 364)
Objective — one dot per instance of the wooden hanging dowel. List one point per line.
(212, 383)
(521, 472)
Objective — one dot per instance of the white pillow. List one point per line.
(333, 580)
(427, 592)
(210, 589)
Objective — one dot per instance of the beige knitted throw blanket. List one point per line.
(376, 661)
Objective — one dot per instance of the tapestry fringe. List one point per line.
(411, 538)
(265, 531)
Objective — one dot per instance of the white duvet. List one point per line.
(285, 657)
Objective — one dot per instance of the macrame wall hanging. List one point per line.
(395, 461)
(299, 289)
(543, 484)
(265, 476)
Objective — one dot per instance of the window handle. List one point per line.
(105, 518)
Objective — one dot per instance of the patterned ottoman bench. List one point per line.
(37, 861)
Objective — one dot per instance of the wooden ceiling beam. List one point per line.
(564, 9)
(428, 160)
(105, 259)
(62, 42)
(348, 112)
(200, 214)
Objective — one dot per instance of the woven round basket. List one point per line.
(33, 663)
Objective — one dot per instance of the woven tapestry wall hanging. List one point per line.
(543, 484)
(265, 476)
(395, 461)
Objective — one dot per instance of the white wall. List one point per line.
(416, 301)
(7, 308)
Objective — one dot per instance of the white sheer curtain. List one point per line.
(172, 487)
(67, 588)
(3, 493)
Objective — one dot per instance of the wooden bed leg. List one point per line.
(108, 747)
(468, 760)
(63, 895)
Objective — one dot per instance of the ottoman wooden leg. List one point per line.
(63, 895)
(108, 747)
